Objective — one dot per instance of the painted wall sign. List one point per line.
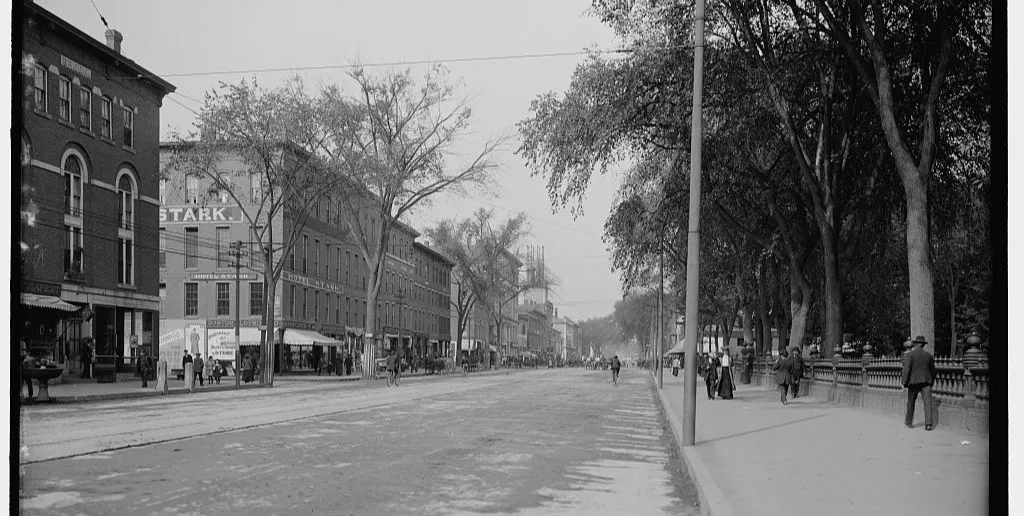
(41, 288)
(243, 323)
(312, 282)
(221, 276)
(195, 214)
(75, 66)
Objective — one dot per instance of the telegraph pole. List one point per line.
(693, 232)
(661, 314)
(236, 251)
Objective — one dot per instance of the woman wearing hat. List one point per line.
(725, 376)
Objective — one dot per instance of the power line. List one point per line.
(506, 57)
(102, 19)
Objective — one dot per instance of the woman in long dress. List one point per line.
(725, 376)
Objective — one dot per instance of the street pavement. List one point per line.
(754, 456)
(547, 441)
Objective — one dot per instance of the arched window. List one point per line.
(127, 192)
(73, 185)
(126, 200)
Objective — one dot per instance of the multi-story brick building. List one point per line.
(320, 301)
(568, 346)
(89, 131)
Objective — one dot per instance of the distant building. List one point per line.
(89, 177)
(320, 302)
(568, 346)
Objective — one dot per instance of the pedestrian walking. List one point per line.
(197, 369)
(783, 367)
(348, 365)
(798, 370)
(247, 368)
(675, 366)
(616, 365)
(918, 377)
(711, 366)
(87, 358)
(145, 367)
(725, 385)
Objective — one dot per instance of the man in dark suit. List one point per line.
(783, 373)
(918, 376)
(798, 371)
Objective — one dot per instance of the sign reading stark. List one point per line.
(199, 214)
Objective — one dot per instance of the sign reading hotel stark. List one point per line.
(195, 214)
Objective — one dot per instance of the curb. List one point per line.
(712, 501)
(82, 398)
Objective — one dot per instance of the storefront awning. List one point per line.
(41, 301)
(296, 337)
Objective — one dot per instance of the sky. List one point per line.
(189, 36)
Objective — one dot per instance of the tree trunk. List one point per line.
(369, 326)
(748, 331)
(922, 294)
(833, 305)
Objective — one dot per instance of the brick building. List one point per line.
(89, 133)
(320, 302)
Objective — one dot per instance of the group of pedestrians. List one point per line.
(789, 369)
(211, 370)
(716, 368)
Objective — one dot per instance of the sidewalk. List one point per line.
(132, 388)
(754, 456)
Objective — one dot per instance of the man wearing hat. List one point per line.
(798, 370)
(918, 376)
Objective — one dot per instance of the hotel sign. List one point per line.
(312, 282)
(75, 66)
(199, 214)
(221, 276)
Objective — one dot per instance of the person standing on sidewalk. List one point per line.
(145, 367)
(918, 376)
(197, 369)
(185, 359)
(87, 358)
(798, 370)
(675, 366)
(711, 365)
(28, 362)
(725, 385)
(783, 367)
(208, 369)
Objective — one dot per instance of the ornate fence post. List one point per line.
(837, 355)
(972, 358)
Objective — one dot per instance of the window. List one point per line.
(337, 267)
(291, 302)
(191, 248)
(106, 117)
(348, 265)
(191, 299)
(316, 257)
(316, 305)
(73, 254)
(223, 248)
(256, 298)
(192, 189)
(126, 200)
(129, 127)
(256, 188)
(305, 300)
(163, 191)
(223, 299)
(64, 98)
(85, 108)
(327, 260)
(223, 194)
(39, 84)
(305, 251)
(348, 307)
(73, 186)
(327, 218)
(163, 248)
(125, 261)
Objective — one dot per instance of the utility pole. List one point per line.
(661, 313)
(401, 301)
(693, 232)
(236, 251)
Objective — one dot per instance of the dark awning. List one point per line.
(41, 301)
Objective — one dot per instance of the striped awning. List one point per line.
(41, 301)
(297, 337)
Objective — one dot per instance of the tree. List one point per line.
(483, 271)
(396, 160)
(277, 134)
(903, 53)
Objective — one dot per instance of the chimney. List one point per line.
(114, 39)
